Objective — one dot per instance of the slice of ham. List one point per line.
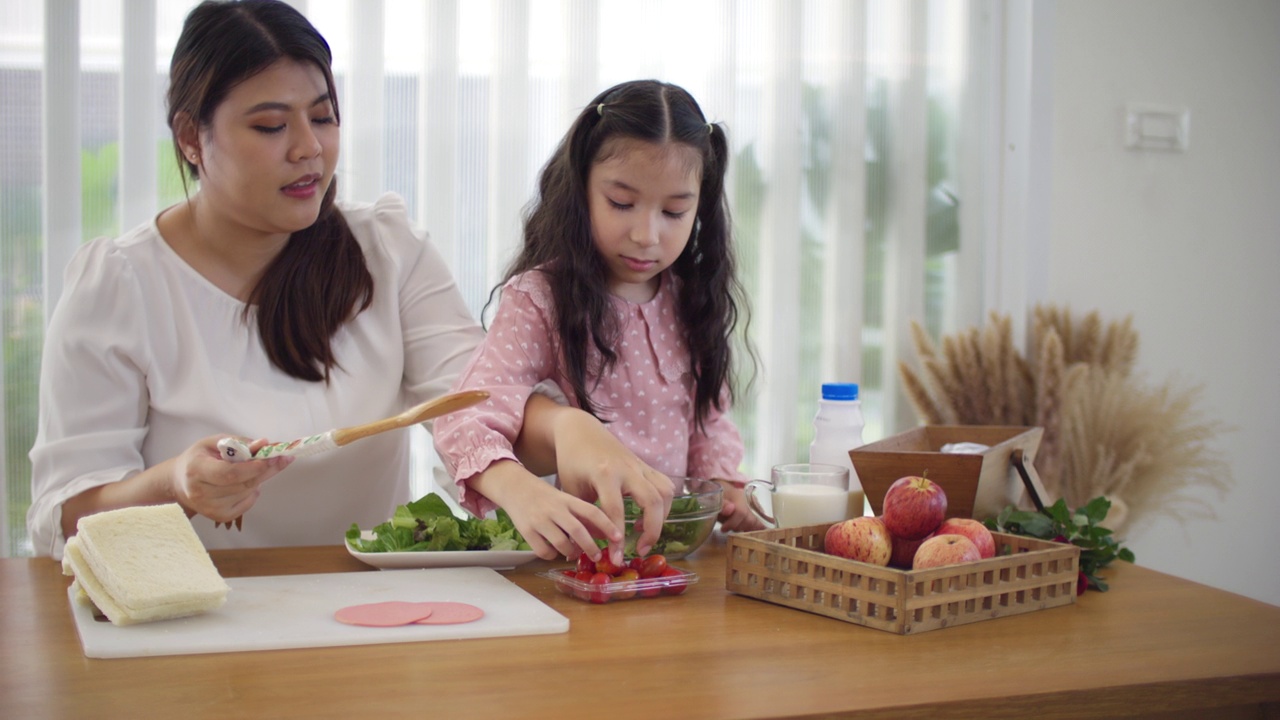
(391, 613)
(450, 613)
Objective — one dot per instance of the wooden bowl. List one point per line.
(977, 485)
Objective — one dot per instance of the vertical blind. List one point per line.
(861, 184)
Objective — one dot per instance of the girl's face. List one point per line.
(270, 150)
(643, 200)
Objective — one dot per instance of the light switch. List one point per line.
(1157, 127)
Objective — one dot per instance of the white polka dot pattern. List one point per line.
(646, 398)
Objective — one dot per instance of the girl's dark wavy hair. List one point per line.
(319, 280)
(558, 240)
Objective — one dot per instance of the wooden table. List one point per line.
(1154, 645)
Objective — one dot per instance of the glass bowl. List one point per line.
(694, 510)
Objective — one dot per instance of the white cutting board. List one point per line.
(296, 611)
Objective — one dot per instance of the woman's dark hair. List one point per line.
(319, 280)
(558, 240)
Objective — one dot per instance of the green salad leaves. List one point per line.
(428, 524)
(679, 535)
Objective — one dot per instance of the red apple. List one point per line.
(942, 550)
(913, 507)
(863, 538)
(904, 551)
(972, 529)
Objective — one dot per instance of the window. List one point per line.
(860, 133)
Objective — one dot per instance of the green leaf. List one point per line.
(428, 524)
(1097, 509)
(429, 505)
(1059, 512)
(1037, 525)
(1080, 527)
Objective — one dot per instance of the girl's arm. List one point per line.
(717, 452)
(553, 522)
(592, 464)
(478, 444)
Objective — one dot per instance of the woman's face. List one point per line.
(643, 200)
(270, 150)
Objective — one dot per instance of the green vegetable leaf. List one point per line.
(677, 535)
(1080, 527)
(1097, 509)
(428, 524)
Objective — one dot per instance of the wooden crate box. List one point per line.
(787, 567)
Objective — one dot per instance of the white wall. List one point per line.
(1187, 243)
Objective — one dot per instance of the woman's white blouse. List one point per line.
(143, 357)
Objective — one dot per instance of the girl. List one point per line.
(624, 295)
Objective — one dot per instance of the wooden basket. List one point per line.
(977, 485)
(787, 567)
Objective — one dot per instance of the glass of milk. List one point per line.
(806, 494)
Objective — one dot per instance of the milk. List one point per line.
(796, 505)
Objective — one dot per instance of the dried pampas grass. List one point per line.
(1146, 447)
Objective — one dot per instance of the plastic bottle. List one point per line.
(837, 429)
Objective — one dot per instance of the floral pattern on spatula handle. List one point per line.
(235, 449)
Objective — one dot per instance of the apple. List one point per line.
(904, 551)
(942, 550)
(972, 529)
(863, 538)
(913, 507)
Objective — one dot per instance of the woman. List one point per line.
(257, 307)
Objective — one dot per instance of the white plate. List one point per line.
(496, 559)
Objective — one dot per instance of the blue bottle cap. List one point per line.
(840, 391)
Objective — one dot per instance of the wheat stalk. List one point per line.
(1048, 407)
(1088, 341)
(921, 399)
(1105, 432)
(992, 356)
(971, 376)
(1119, 349)
(925, 348)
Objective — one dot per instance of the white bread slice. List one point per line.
(88, 589)
(147, 564)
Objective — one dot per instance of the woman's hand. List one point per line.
(203, 483)
(553, 522)
(735, 514)
(199, 480)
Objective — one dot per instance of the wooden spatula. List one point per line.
(234, 449)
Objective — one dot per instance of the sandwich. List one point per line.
(142, 564)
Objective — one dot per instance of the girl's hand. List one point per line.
(204, 483)
(554, 523)
(595, 465)
(735, 514)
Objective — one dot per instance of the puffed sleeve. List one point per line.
(93, 391)
(717, 451)
(438, 331)
(517, 354)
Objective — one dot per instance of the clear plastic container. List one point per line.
(837, 429)
(600, 593)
